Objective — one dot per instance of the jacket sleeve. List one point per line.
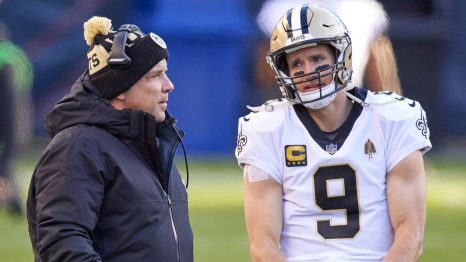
(69, 192)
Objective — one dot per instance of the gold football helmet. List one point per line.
(307, 26)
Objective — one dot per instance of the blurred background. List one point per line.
(214, 54)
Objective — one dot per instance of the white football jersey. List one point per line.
(334, 198)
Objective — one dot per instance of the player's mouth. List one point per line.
(311, 87)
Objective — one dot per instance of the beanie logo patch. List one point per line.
(97, 58)
(93, 61)
(158, 40)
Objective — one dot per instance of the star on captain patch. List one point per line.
(369, 148)
(331, 149)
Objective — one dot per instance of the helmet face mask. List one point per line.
(305, 27)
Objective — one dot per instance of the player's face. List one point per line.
(150, 93)
(307, 60)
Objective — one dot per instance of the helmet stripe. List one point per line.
(303, 15)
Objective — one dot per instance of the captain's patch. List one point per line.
(296, 155)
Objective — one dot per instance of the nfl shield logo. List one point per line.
(331, 149)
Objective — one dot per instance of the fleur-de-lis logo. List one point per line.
(421, 124)
(241, 141)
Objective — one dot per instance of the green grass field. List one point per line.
(215, 193)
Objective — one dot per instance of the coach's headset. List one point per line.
(119, 59)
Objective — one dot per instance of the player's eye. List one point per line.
(296, 64)
(317, 59)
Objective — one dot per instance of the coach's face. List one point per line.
(150, 93)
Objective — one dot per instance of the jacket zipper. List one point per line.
(172, 155)
(170, 206)
(169, 167)
(169, 201)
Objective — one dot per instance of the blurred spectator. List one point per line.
(15, 83)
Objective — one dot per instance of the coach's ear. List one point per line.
(121, 97)
(119, 102)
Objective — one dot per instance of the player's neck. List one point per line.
(334, 115)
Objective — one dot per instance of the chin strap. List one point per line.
(365, 104)
(355, 99)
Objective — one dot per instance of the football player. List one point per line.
(332, 172)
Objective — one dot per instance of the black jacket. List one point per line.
(105, 188)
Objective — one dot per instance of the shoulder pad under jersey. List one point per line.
(267, 117)
(393, 106)
(270, 105)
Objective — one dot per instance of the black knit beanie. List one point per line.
(112, 69)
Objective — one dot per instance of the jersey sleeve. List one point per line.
(257, 146)
(408, 134)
